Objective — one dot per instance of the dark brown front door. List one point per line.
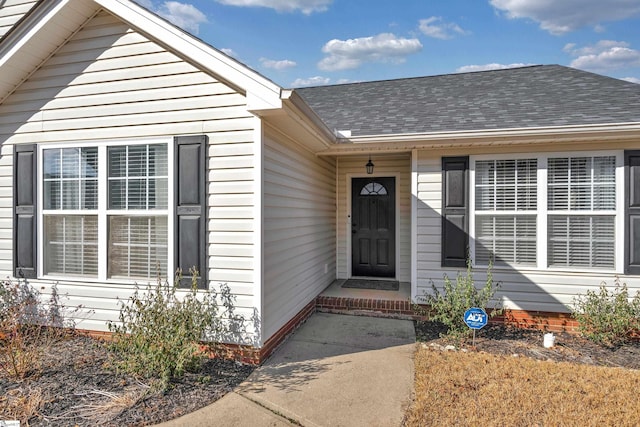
(373, 220)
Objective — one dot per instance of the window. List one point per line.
(70, 204)
(138, 181)
(582, 207)
(133, 205)
(563, 207)
(506, 197)
(373, 189)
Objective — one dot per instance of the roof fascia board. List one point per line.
(502, 137)
(16, 44)
(29, 26)
(261, 92)
(35, 6)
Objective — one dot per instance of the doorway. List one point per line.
(373, 221)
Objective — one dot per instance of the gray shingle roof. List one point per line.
(537, 96)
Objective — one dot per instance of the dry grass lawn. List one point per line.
(473, 389)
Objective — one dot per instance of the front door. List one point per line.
(373, 220)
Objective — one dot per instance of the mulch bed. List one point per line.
(510, 341)
(78, 386)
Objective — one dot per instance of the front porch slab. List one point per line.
(369, 302)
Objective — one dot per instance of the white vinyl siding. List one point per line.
(299, 229)
(394, 165)
(111, 83)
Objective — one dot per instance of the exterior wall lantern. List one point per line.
(369, 166)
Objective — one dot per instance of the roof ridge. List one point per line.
(432, 76)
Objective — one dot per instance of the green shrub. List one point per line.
(607, 317)
(159, 333)
(449, 304)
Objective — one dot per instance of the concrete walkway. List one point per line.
(336, 370)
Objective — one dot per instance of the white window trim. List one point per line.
(542, 211)
(102, 210)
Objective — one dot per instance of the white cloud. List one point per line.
(229, 52)
(632, 79)
(599, 28)
(435, 27)
(311, 81)
(561, 16)
(603, 56)
(345, 81)
(183, 15)
(488, 67)
(348, 54)
(305, 6)
(277, 65)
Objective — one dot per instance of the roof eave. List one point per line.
(478, 138)
(261, 93)
(297, 121)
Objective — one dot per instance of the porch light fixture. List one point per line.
(369, 166)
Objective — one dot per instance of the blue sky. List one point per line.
(315, 42)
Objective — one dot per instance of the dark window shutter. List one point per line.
(25, 221)
(455, 239)
(632, 212)
(191, 209)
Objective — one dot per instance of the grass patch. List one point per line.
(465, 389)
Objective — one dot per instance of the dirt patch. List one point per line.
(509, 341)
(77, 385)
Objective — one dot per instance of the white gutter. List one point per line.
(296, 108)
(497, 137)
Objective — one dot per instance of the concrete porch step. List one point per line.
(395, 309)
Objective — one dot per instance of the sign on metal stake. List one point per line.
(475, 318)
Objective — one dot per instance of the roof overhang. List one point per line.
(37, 36)
(50, 25)
(485, 138)
(298, 122)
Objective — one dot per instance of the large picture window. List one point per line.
(133, 206)
(563, 207)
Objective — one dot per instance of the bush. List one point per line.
(448, 306)
(607, 317)
(159, 332)
(28, 326)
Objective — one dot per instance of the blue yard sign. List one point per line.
(475, 318)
